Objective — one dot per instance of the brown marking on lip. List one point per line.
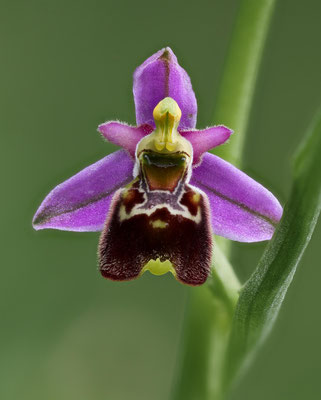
(131, 198)
(188, 200)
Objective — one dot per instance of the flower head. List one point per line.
(158, 201)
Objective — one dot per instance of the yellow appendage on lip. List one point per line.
(159, 224)
(157, 267)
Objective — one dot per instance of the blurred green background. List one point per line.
(67, 66)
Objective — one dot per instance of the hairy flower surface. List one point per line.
(158, 201)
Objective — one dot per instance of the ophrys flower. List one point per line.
(159, 201)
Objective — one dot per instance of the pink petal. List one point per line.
(124, 135)
(206, 139)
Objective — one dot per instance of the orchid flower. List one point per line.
(160, 199)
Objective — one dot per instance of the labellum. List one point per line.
(159, 222)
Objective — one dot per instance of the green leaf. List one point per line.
(262, 296)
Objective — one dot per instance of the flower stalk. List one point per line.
(237, 89)
(206, 330)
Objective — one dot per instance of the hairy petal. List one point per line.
(81, 203)
(158, 77)
(241, 208)
(206, 139)
(124, 135)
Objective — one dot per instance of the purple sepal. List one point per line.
(241, 209)
(158, 77)
(124, 135)
(206, 139)
(81, 203)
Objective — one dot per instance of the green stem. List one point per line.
(236, 91)
(223, 282)
(206, 331)
(210, 308)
